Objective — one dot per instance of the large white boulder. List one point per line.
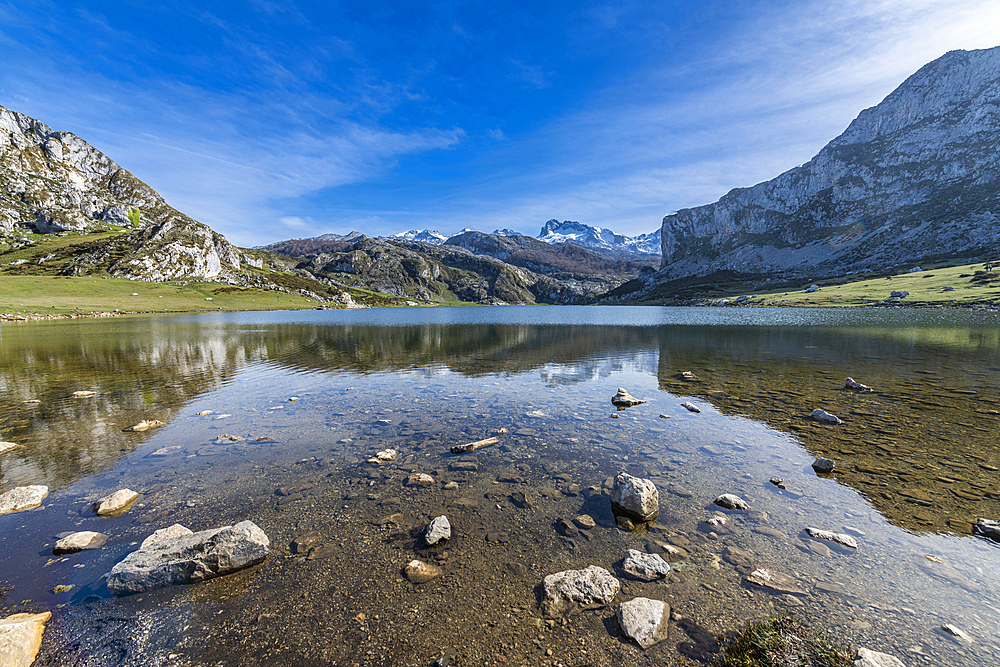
(644, 620)
(635, 497)
(183, 559)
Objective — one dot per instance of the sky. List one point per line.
(272, 120)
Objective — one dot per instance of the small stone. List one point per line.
(75, 542)
(420, 479)
(825, 417)
(960, 635)
(143, 425)
(985, 527)
(614, 416)
(690, 407)
(203, 413)
(420, 572)
(823, 466)
(22, 498)
(21, 637)
(646, 567)
(116, 504)
(645, 621)
(717, 521)
(585, 521)
(866, 658)
(302, 543)
(437, 530)
(731, 502)
(451, 486)
(384, 456)
(623, 399)
(522, 500)
(839, 538)
(851, 385)
(84, 394)
(293, 398)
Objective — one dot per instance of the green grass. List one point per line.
(926, 289)
(780, 642)
(53, 295)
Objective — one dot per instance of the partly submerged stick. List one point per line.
(473, 446)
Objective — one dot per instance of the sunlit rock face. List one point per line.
(912, 178)
(52, 182)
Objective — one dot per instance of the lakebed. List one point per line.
(916, 466)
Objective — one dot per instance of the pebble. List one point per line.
(383, 456)
(585, 521)
(420, 572)
(420, 479)
(116, 504)
(839, 538)
(690, 407)
(438, 530)
(866, 658)
(825, 417)
(74, 542)
(822, 465)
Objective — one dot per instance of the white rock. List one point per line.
(960, 635)
(866, 658)
(839, 538)
(690, 407)
(84, 394)
(420, 479)
(189, 558)
(172, 532)
(8, 447)
(20, 638)
(812, 288)
(645, 621)
(851, 385)
(437, 530)
(384, 456)
(420, 572)
(86, 539)
(825, 417)
(116, 504)
(143, 425)
(716, 521)
(593, 586)
(645, 566)
(635, 497)
(732, 502)
(22, 498)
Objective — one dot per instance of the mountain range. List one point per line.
(554, 231)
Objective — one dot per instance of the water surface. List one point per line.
(916, 466)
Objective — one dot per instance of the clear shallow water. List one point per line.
(916, 464)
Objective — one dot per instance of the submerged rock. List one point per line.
(839, 538)
(851, 385)
(825, 417)
(86, 539)
(985, 527)
(646, 567)
(175, 555)
(645, 621)
(732, 502)
(690, 407)
(419, 479)
(593, 586)
(775, 581)
(635, 497)
(21, 637)
(143, 425)
(116, 504)
(866, 658)
(822, 465)
(420, 572)
(623, 399)
(22, 498)
(437, 530)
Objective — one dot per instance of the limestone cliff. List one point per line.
(913, 178)
(55, 182)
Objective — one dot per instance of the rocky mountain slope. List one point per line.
(54, 182)
(914, 178)
(471, 266)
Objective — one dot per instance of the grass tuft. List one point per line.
(782, 642)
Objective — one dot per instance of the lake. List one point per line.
(916, 465)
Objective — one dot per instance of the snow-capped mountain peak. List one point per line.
(431, 236)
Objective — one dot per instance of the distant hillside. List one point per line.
(471, 267)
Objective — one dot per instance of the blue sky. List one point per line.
(271, 120)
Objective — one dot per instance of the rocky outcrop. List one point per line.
(53, 182)
(178, 556)
(914, 177)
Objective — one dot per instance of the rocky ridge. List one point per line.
(911, 179)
